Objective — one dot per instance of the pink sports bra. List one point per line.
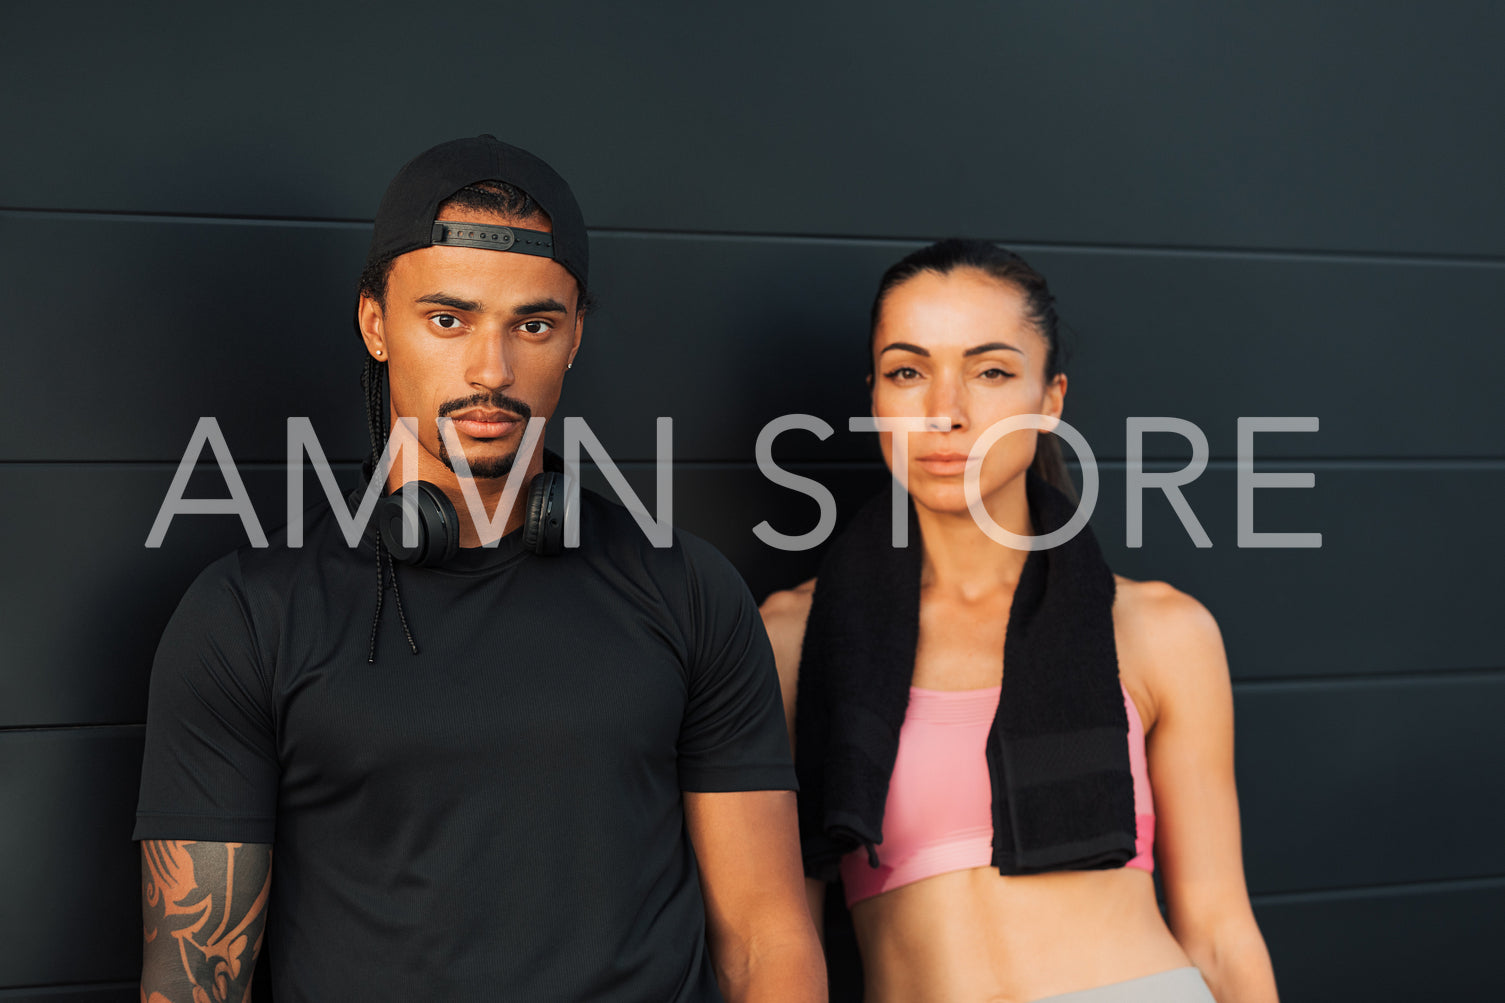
(939, 815)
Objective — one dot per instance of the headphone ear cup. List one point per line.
(543, 530)
(433, 516)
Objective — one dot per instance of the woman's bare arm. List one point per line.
(1190, 749)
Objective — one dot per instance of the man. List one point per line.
(576, 787)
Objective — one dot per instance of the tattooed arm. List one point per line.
(203, 910)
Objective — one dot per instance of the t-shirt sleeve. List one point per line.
(209, 771)
(733, 737)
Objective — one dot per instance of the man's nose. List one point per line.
(488, 363)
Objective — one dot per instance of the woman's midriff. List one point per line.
(977, 936)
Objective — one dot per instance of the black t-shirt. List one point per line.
(498, 816)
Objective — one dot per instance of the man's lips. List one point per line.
(485, 424)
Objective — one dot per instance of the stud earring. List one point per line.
(569, 365)
(378, 351)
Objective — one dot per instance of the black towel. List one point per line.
(1058, 757)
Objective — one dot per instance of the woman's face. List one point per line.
(959, 346)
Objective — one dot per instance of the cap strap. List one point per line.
(493, 238)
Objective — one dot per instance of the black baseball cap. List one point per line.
(407, 218)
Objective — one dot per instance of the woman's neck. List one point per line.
(962, 560)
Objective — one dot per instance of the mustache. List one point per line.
(496, 400)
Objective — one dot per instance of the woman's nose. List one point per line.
(947, 399)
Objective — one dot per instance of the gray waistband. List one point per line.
(1179, 985)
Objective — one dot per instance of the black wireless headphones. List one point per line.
(438, 526)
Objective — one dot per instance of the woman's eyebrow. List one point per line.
(992, 346)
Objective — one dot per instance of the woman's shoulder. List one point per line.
(784, 616)
(1166, 641)
(790, 602)
(1161, 609)
(786, 611)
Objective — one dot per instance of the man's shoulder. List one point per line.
(316, 538)
(218, 583)
(277, 567)
(608, 525)
(689, 566)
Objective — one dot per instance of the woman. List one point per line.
(989, 792)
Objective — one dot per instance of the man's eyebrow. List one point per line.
(541, 306)
(992, 346)
(453, 302)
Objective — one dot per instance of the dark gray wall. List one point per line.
(1273, 211)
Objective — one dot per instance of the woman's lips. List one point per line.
(943, 464)
(478, 429)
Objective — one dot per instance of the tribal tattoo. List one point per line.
(203, 911)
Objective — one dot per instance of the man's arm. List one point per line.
(203, 910)
(761, 937)
(738, 784)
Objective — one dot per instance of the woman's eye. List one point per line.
(448, 321)
(536, 327)
(996, 374)
(902, 373)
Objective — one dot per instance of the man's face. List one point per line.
(477, 336)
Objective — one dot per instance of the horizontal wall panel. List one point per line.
(1388, 945)
(247, 324)
(1282, 125)
(727, 335)
(1405, 579)
(1392, 589)
(73, 876)
(251, 324)
(1370, 782)
(87, 599)
(110, 992)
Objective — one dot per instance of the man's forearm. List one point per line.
(773, 969)
(203, 910)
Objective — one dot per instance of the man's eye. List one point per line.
(536, 326)
(448, 321)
